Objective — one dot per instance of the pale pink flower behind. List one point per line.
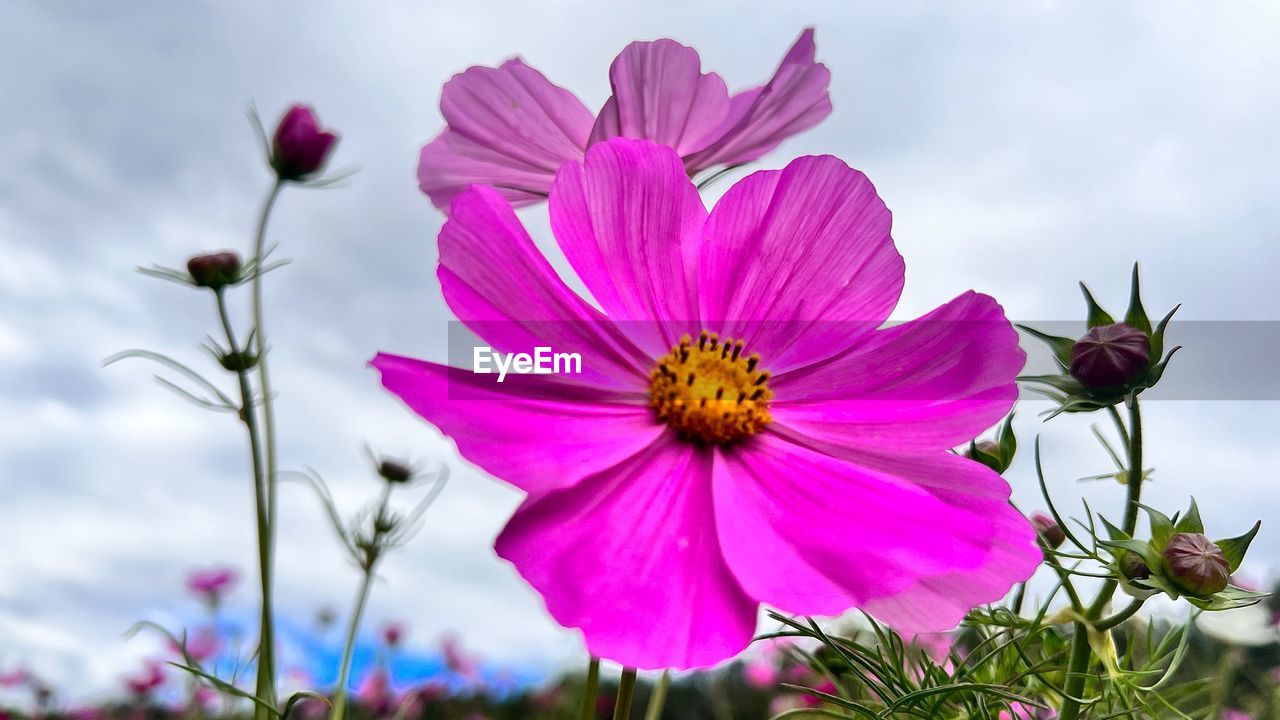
(510, 128)
(679, 483)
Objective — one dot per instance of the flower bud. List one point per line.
(1195, 564)
(214, 270)
(395, 472)
(239, 361)
(1110, 356)
(300, 148)
(1134, 567)
(1051, 534)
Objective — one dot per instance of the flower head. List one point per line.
(510, 128)
(212, 584)
(215, 270)
(299, 148)
(393, 634)
(1110, 356)
(150, 679)
(741, 431)
(1195, 564)
(1051, 533)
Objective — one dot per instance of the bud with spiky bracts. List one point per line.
(1181, 561)
(1112, 360)
(996, 454)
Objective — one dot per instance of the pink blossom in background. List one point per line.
(212, 584)
(15, 678)
(457, 660)
(809, 470)
(375, 691)
(510, 128)
(760, 673)
(150, 679)
(202, 645)
(1233, 714)
(393, 634)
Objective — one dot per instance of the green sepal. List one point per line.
(1229, 599)
(1136, 315)
(1006, 440)
(1097, 316)
(1157, 335)
(1190, 522)
(1161, 528)
(1235, 548)
(1060, 346)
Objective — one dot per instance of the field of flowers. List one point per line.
(750, 492)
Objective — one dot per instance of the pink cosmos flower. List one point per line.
(510, 128)
(212, 584)
(1233, 714)
(458, 661)
(151, 678)
(299, 147)
(202, 645)
(393, 634)
(740, 432)
(375, 692)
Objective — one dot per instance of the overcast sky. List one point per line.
(1022, 146)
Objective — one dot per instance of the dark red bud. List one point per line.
(299, 148)
(1051, 534)
(1134, 567)
(395, 472)
(1110, 356)
(215, 270)
(1195, 564)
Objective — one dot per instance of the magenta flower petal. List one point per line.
(926, 385)
(938, 603)
(812, 534)
(629, 220)
(793, 101)
(630, 556)
(538, 435)
(661, 94)
(508, 127)
(799, 261)
(495, 279)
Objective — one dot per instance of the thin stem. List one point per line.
(1077, 673)
(1129, 611)
(1081, 654)
(589, 690)
(339, 708)
(266, 684)
(659, 697)
(260, 496)
(626, 691)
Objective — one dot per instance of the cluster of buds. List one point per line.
(996, 454)
(1111, 361)
(1181, 561)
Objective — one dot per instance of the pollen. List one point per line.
(709, 391)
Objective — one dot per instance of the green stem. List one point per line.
(1130, 610)
(266, 684)
(339, 708)
(626, 691)
(659, 697)
(260, 496)
(1081, 655)
(1077, 673)
(590, 689)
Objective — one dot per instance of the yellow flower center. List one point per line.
(708, 392)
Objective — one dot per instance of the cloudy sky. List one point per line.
(1021, 145)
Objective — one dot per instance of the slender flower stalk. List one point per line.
(589, 690)
(626, 692)
(266, 682)
(339, 708)
(1081, 656)
(659, 697)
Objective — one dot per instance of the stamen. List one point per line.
(723, 398)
